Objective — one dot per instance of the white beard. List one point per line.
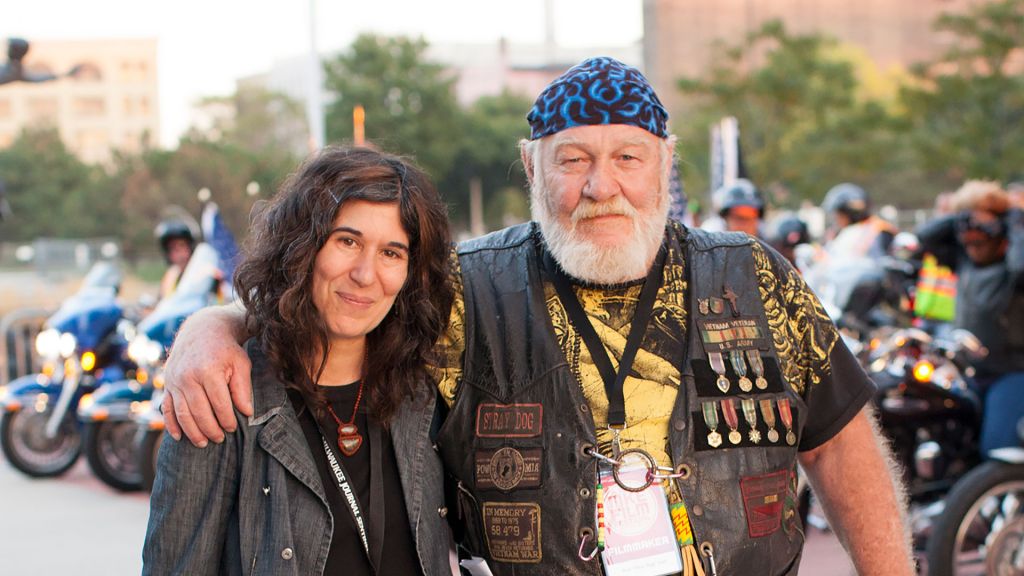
(582, 259)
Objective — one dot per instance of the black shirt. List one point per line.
(347, 555)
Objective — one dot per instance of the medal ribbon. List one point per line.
(755, 362)
(749, 411)
(738, 364)
(613, 381)
(729, 410)
(768, 413)
(785, 413)
(710, 414)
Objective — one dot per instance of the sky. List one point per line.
(205, 45)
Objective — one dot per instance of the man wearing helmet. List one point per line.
(740, 208)
(855, 231)
(177, 242)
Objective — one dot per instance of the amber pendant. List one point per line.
(349, 439)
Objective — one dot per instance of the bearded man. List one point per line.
(625, 395)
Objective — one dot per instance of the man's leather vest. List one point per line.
(516, 436)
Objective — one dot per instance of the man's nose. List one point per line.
(601, 183)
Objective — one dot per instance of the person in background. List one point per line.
(741, 208)
(177, 242)
(785, 233)
(983, 243)
(345, 288)
(854, 232)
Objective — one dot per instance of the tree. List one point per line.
(410, 103)
(805, 122)
(491, 130)
(52, 193)
(967, 106)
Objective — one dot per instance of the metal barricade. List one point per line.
(17, 346)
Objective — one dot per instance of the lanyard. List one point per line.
(613, 382)
(348, 493)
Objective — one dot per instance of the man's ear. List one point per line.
(527, 159)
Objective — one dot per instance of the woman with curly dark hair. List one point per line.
(345, 285)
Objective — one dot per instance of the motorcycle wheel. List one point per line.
(110, 451)
(25, 445)
(149, 448)
(980, 506)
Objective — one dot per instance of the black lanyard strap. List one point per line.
(613, 381)
(347, 492)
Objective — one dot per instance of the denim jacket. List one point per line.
(255, 503)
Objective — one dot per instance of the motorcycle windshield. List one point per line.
(93, 311)
(194, 291)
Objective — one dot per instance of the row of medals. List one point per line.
(750, 409)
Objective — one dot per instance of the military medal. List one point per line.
(703, 306)
(711, 419)
(718, 365)
(717, 305)
(768, 414)
(750, 415)
(732, 420)
(757, 365)
(787, 420)
(739, 365)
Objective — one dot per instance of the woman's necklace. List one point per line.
(349, 438)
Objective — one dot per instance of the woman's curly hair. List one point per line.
(274, 279)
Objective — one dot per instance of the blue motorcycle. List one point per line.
(111, 413)
(81, 348)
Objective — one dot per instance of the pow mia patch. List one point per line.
(513, 531)
(508, 468)
(509, 420)
(763, 498)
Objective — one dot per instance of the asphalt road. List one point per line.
(77, 525)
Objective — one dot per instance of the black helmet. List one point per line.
(848, 199)
(742, 192)
(170, 229)
(787, 231)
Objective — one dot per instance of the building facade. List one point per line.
(110, 104)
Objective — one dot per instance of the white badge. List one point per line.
(639, 539)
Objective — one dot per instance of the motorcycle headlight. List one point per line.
(48, 343)
(144, 351)
(923, 371)
(67, 344)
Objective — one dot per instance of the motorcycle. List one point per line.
(82, 347)
(110, 414)
(981, 530)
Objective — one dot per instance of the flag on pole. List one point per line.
(217, 235)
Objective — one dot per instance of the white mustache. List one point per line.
(590, 209)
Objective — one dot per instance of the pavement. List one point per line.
(77, 525)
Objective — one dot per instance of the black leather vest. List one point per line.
(515, 437)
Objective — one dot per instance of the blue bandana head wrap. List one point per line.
(597, 91)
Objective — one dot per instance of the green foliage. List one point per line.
(803, 124)
(410, 103)
(52, 193)
(491, 130)
(967, 106)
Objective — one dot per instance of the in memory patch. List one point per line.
(509, 420)
(508, 468)
(513, 531)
